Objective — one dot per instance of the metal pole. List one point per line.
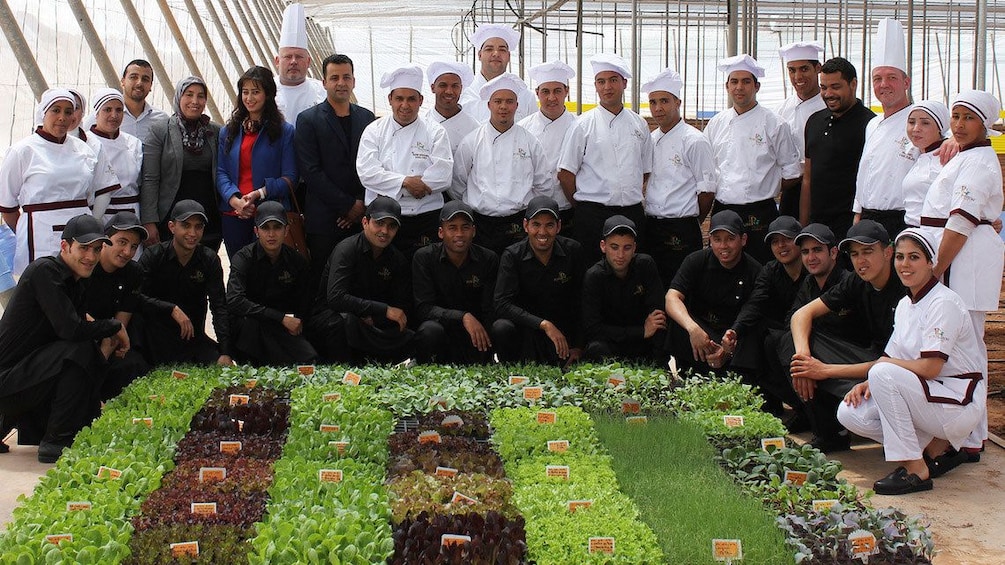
(981, 45)
(22, 53)
(251, 32)
(635, 56)
(731, 27)
(148, 47)
(235, 33)
(523, 38)
(910, 35)
(544, 32)
(187, 55)
(579, 57)
(211, 50)
(222, 32)
(315, 44)
(270, 28)
(94, 42)
(256, 14)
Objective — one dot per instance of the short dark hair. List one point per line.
(840, 65)
(336, 59)
(139, 63)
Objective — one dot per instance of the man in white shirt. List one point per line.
(448, 81)
(137, 80)
(295, 92)
(499, 167)
(802, 61)
(888, 153)
(681, 188)
(408, 159)
(551, 124)
(755, 154)
(606, 158)
(495, 43)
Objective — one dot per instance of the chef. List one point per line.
(295, 92)
(448, 81)
(495, 43)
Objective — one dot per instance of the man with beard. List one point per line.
(295, 92)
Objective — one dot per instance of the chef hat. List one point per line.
(50, 97)
(505, 81)
(434, 70)
(79, 96)
(552, 71)
(602, 62)
(294, 31)
(103, 96)
(981, 103)
(888, 49)
(741, 63)
(801, 51)
(502, 31)
(937, 110)
(667, 81)
(409, 76)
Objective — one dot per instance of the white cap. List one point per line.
(602, 62)
(937, 110)
(552, 71)
(741, 63)
(103, 96)
(502, 31)
(888, 48)
(505, 81)
(50, 97)
(434, 70)
(801, 51)
(409, 76)
(294, 32)
(667, 81)
(981, 103)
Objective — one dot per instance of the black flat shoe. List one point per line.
(951, 459)
(49, 452)
(901, 482)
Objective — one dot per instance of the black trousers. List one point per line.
(380, 341)
(499, 232)
(746, 360)
(518, 344)
(325, 329)
(892, 220)
(590, 217)
(158, 338)
(439, 343)
(756, 217)
(321, 247)
(669, 241)
(788, 202)
(121, 371)
(652, 351)
(416, 232)
(268, 343)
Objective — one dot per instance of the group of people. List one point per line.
(442, 236)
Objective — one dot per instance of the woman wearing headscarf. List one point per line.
(256, 161)
(124, 151)
(179, 163)
(48, 178)
(926, 124)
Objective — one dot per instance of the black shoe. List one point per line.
(901, 482)
(49, 452)
(951, 459)
(797, 423)
(831, 444)
(973, 454)
(4, 430)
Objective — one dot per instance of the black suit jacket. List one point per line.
(327, 160)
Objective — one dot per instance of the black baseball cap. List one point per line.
(185, 209)
(125, 221)
(454, 207)
(783, 225)
(619, 224)
(384, 207)
(270, 211)
(819, 232)
(865, 232)
(85, 229)
(727, 220)
(540, 204)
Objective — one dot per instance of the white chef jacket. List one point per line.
(795, 112)
(683, 166)
(136, 126)
(472, 103)
(498, 173)
(916, 184)
(51, 183)
(458, 126)
(886, 157)
(389, 152)
(551, 134)
(753, 152)
(609, 154)
(295, 99)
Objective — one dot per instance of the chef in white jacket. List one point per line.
(295, 92)
(495, 43)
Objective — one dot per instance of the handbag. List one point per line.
(296, 236)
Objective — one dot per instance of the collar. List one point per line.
(99, 133)
(915, 298)
(983, 143)
(609, 270)
(472, 257)
(64, 270)
(556, 249)
(935, 146)
(49, 137)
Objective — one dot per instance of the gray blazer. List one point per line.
(162, 167)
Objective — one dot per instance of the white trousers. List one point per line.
(980, 433)
(899, 416)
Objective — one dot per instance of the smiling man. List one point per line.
(802, 61)
(139, 117)
(448, 80)
(495, 44)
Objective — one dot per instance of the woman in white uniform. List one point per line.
(48, 178)
(927, 394)
(926, 125)
(124, 151)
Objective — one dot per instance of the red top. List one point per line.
(244, 182)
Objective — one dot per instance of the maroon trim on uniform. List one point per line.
(49, 206)
(983, 143)
(933, 222)
(108, 189)
(968, 396)
(928, 149)
(99, 133)
(924, 290)
(960, 211)
(48, 136)
(6, 210)
(125, 199)
(931, 354)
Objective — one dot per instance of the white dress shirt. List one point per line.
(295, 99)
(886, 157)
(683, 166)
(551, 134)
(795, 111)
(498, 173)
(458, 126)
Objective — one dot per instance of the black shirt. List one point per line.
(528, 292)
(444, 293)
(110, 293)
(359, 284)
(615, 309)
(844, 323)
(770, 301)
(258, 288)
(713, 293)
(834, 148)
(47, 306)
(876, 306)
(188, 286)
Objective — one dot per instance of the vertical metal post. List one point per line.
(235, 32)
(263, 56)
(579, 57)
(222, 32)
(981, 45)
(94, 42)
(910, 35)
(187, 55)
(148, 47)
(635, 56)
(544, 31)
(22, 53)
(523, 39)
(866, 65)
(731, 27)
(208, 43)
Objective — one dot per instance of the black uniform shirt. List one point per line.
(770, 301)
(834, 148)
(844, 323)
(713, 293)
(615, 309)
(258, 288)
(359, 284)
(110, 293)
(444, 293)
(876, 306)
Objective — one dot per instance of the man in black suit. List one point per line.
(326, 142)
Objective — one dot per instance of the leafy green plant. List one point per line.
(756, 424)
(518, 434)
(723, 394)
(419, 492)
(218, 544)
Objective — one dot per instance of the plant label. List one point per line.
(637, 420)
(616, 380)
(230, 447)
(332, 396)
(185, 549)
(340, 446)
(306, 370)
(148, 422)
(239, 399)
(209, 474)
(733, 421)
(438, 401)
(108, 473)
(450, 540)
(80, 506)
(330, 475)
(558, 445)
(727, 550)
(157, 398)
(179, 375)
(797, 478)
(517, 380)
(203, 508)
(250, 383)
(574, 505)
(56, 538)
(545, 417)
(532, 392)
(630, 406)
(330, 428)
(560, 471)
(775, 442)
(430, 437)
(240, 425)
(863, 544)
(352, 379)
(459, 498)
(452, 422)
(821, 506)
(601, 545)
(446, 472)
